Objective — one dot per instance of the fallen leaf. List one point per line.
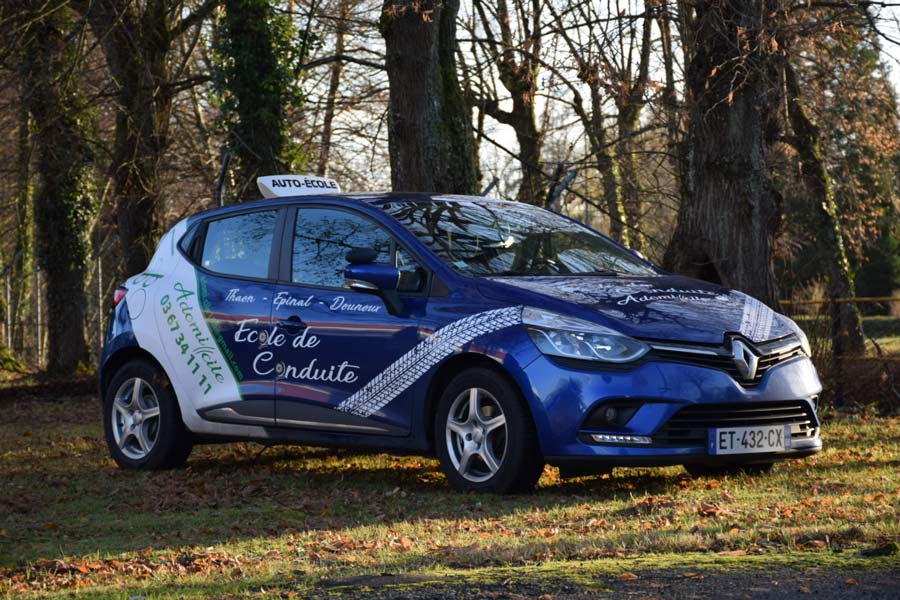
(852, 581)
(628, 576)
(708, 510)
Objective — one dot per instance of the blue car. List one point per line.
(496, 335)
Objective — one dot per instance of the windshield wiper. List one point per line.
(603, 273)
(597, 273)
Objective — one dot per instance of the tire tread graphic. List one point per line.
(407, 369)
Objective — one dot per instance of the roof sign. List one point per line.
(277, 186)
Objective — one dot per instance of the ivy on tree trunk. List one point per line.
(256, 75)
(64, 203)
(848, 336)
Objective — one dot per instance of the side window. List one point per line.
(322, 238)
(413, 277)
(240, 245)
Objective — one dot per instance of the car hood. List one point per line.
(666, 307)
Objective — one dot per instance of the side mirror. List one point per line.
(372, 277)
(363, 274)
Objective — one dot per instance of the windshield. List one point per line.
(508, 238)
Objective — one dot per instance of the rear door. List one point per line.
(236, 261)
(339, 341)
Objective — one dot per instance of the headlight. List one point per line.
(804, 341)
(568, 337)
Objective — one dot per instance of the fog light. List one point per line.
(610, 414)
(610, 438)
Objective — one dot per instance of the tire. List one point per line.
(702, 470)
(142, 420)
(483, 454)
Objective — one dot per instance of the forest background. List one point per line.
(755, 143)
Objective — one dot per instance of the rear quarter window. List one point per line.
(240, 245)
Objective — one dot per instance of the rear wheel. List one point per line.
(485, 438)
(702, 470)
(142, 421)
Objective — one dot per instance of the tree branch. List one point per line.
(344, 58)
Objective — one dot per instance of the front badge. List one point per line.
(744, 359)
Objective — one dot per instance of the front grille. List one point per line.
(723, 361)
(690, 426)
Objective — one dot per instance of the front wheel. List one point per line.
(142, 421)
(485, 437)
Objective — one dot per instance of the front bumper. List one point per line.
(563, 397)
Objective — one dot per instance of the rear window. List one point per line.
(240, 245)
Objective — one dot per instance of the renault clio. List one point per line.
(496, 335)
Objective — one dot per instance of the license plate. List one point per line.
(750, 440)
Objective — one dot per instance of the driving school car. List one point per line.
(497, 335)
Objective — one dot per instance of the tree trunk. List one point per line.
(523, 123)
(23, 251)
(627, 167)
(606, 166)
(531, 189)
(669, 98)
(334, 83)
(136, 44)
(430, 133)
(255, 90)
(629, 103)
(518, 64)
(730, 210)
(827, 227)
(64, 205)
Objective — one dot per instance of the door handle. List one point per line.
(292, 324)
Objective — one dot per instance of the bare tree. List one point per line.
(588, 52)
(137, 40)
(334, 84)
(512, 41)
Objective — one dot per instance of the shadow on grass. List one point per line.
(62, 495)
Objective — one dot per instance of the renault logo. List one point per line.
(744, 360)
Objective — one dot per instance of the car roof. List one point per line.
(365, 198)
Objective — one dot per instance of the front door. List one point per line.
(339, 342)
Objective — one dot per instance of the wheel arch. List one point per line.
(449, 369)
(115, 362)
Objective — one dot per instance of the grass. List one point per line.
(236, 520)
(885, 331)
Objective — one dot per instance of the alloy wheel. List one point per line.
(135, 418)
(476, 434)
